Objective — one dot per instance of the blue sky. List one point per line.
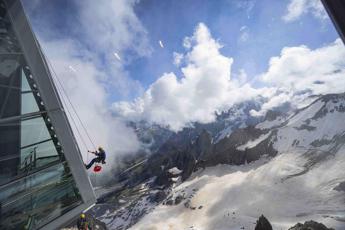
(171, 21)
(107, 55)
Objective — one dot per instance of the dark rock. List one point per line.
(340, 187)
(158, 196)
(169, 202)
(320, 142)
(310, 225)
(305, 127)
(271, 115)
(263, 224)
(178, 199)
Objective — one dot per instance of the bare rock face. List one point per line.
(340, 187)
(263, 224)
(310, 225)
(271, 115)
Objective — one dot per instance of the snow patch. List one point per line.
(233, 197)
(252, 143)
(175, 171)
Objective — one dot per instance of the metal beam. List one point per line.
(50, 97)
(336, 11)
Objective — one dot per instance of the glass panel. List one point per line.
(15, 77)
(8, 41)
(27, 145)
(25, 84)
(10, 60)
(10, 98)
(29, 104)
(33, 131)
(35, 186)
(38, 199)
(38, 155)
(7, 67)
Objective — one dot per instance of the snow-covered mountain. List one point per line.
(289, 168)
(153, 136)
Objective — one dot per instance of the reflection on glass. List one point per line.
(29, 104)
(33, 131)
(38, 199)
(27, 140)
(25, 83)
(28, 145)
(36, 185)
(38, 155)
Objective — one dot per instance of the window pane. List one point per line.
(29, 104)
(38, 199)
(38, 155)
(10, 98)
(8, 41)
(25, 84)
(33, 131)
(26, 146)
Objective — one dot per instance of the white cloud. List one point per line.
(113, 25)
(241, 77)
(178, 57)
(85, 65)
(296, 8)
(246, 5)
(89, 98)
(204, 88)
(299, 68)
(300, 72)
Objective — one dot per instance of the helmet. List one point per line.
(82, 215)
(100, 148)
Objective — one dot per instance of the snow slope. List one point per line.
(321, 121)
(232, 197)
(295, 186)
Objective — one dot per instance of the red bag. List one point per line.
(97, 168)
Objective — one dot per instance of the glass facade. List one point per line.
(36, 184)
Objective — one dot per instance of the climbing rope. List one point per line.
(65, 98)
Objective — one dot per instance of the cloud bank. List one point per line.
(90, 73)
(207, 86)
(300, 72)
(297, 8)
(204, 88)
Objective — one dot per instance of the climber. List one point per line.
(100, 157)
(83, 223)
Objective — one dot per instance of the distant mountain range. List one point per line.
(314, 135)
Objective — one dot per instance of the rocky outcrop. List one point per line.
(226, 152)
(340, 187)
(271, 115)
(310, 225)
(263, 224)
(203, 152)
